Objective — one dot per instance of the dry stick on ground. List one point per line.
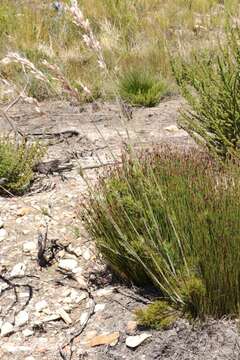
(79, 331)
(14, 286)
(42, 241)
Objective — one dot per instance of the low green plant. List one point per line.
(138, 87)
(210, 83)
(172, 219)
(17, 159)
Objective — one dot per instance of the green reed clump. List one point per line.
(172, 220)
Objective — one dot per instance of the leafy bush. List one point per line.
(172, 220)
(140, 88)
(210, 84)
(17, 159)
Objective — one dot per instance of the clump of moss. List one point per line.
(193, 295)
(159, 315)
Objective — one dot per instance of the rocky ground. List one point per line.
(71, 308)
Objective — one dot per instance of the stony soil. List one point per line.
(41, 309)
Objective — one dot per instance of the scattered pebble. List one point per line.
(64, 316)
(1, 223)
(68, 264)
(3, 234)
(87, 255)
(108, 339)
(81, 281)
(77, 297)
(13, 349)
(135, 341)
(41, 305)
(131, 326)
(99, 307)
(21, 318)
(172, 128)
(18, 270)
(27, 332)
(83, 318)
(24, 211)
(29, 247)
(6, 329)
(104, 292)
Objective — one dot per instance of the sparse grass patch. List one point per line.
(172, 220)
(17, 159)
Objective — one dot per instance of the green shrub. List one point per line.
(172, 220)
(210, 83)
(140, 88)
(17, 159)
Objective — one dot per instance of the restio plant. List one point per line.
(17, 160)
(172, 219)
(210, 83)
(138, 87)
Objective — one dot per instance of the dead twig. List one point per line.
(79, 331)
(42, 242)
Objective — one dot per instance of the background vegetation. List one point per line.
(133, 34)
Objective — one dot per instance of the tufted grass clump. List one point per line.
(17, 159)
(171, 220)
(140, 88)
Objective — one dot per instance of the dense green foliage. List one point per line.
(172, 219)
(210, 84)
(17, 159)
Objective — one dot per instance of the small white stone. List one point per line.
(87, 255)
(3, 234)
(27, 333)
(13, 349)
(77, 297)
(81, 281)
(135, 341)
(29, 358)
(18, 270)
(78, 270)
(83, 318)
(68, 264)
(41, 305)
(78, 251)
(104, 292)
(1, 223)
(6, 329)
(21, 318)
(99, 307)
(172, 128)
(29, 246)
